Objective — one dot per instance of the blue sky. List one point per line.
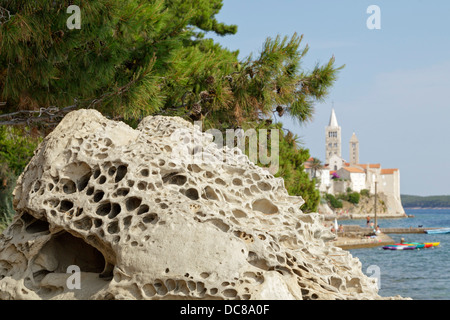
(394, 92)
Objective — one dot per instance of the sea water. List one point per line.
(419, 274)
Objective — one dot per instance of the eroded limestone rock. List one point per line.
(142, 221)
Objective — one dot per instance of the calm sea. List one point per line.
(420, 274)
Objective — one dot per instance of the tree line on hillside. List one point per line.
(134, 58)
(410, 201)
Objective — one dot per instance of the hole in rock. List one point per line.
(174, 178)
(67, 250)
(209, 174)
(102, 180)
(220, 181)
(142, 185)
(132, 203)
(98, 196)
(104, 209)
(229, 293)
(115, 210)
(111, 171)
(145, 172)
(98, 223)
(108, 142)
(192, 194)
(195, 168)
(37, 186)
(257, 261)
(127, 221)
(38, 226)
(65, 205)
(150, 218)
(79, 212)
(83, 224)
(121, 192)
(97, 173)
(27, 218)
(263, 186)
(113, 227)
(68, 186)
(143, 209)
(210, 194)
(237, 182)
(121, 172)
(265, 206)
(239, 213)
(90, 191)
(83, 181)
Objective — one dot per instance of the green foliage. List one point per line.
(349, 196)
(291, 169)
(133, 58)
(333, 202)
(353, 197)
(364, 193)
(117, 59)
(16, 150)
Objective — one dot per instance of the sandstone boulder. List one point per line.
(141, 220)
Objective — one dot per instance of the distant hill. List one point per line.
(409, 201)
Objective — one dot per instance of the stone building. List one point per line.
(338, 175)
(354, 149)
(332, 138)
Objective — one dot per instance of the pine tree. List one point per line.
(114, 63)
(296, 179)
(133, 58)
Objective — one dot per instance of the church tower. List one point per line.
(332, 138)
(354, 149)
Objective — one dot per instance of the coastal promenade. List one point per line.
(355, 237)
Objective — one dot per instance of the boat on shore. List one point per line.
(399, 247)
(411, 245)
(437, 231)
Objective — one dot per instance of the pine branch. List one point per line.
(28, 117)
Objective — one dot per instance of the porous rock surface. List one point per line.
(142, 221)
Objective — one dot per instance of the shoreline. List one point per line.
(331, 217)
(428, 208)
(357, 237)
(348, 242)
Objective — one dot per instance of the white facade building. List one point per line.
(353, 174)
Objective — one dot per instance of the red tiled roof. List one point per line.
(353, 170)
(372, 166)
(388, 171)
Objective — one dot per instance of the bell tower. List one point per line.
(354, 149)
(332, 138)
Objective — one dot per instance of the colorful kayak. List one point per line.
(416, 244)
(431, 244)
(399, 247)
(411, 245)
(437, 231)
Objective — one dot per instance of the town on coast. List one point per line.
(352, 190)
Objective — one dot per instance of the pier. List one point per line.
(355, 237)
